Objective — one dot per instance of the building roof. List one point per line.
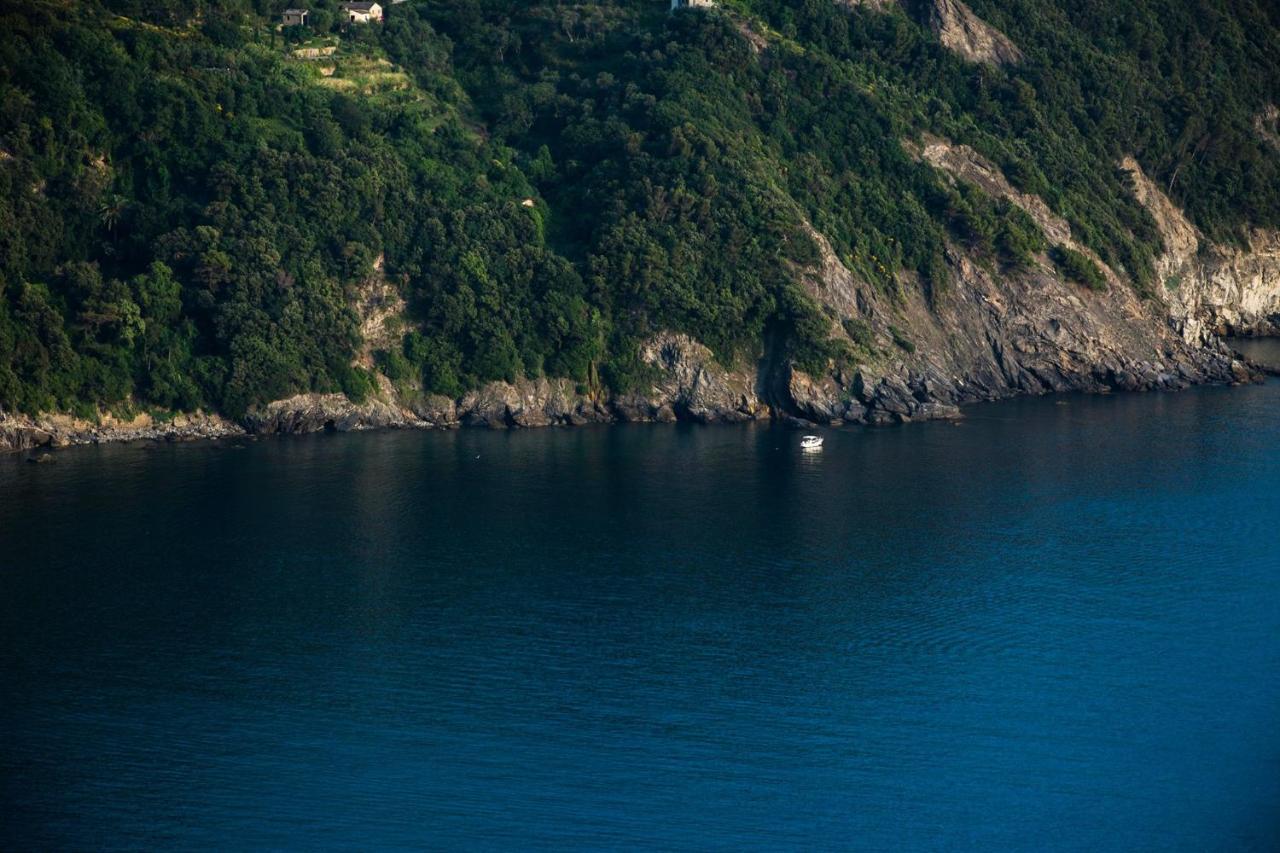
(296, 11)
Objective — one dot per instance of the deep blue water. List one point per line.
(1054, 626)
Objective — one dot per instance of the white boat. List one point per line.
(811, 442)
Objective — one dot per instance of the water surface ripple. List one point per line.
(1054, 626)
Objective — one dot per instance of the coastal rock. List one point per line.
(692, 384)
(23, 435)
(939, 412)
(985, 337)
(990, 333)
(1211, 290)
(23, 432)
(306, 413)
(636, 408)
(529, 403)
(821, 400)
(436, 410)
(489, 406)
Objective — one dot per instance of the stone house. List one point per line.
(688, 4)
(360, 13)
(294, 18)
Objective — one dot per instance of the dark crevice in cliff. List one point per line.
(773, 372)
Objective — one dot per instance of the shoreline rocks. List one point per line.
(23, 432)
(693, 390)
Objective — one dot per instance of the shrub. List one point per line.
(900, 338)
(1078, 267)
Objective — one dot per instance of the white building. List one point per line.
(360, 13)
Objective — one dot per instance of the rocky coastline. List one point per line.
(692, 388)
(916, 355)
(24, 432)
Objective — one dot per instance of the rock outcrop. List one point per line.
(305, 413)
(957, 27)
(22, 432)
(992, 334)
(1211, 289)
(379, 307)
(963, 32)
(989, 336)
(693, 385)
(874, 5)
(1208, 290)
(963, 163)
(688, 384)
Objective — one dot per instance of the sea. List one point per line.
(1053, 625)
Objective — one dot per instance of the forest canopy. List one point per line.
(191, 195)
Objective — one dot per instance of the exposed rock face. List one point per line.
(963, 163)
(874, 5)
(693, 385)
(436, 410)
(304, 413)
(758, 41)
(689, 384)
(1208, 289)
(529, 403)
(379, 306)
(991, 336)
(957, 27)
(963, 32)
(1211, 289)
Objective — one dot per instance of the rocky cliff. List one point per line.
(962, 31)
(1206, 289)
(989, 336)
(1212, 289)
(23, 432)
(986, 336)
(957, 27)
(688, 384)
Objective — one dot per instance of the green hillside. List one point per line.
(187, 203)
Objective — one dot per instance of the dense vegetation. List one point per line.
(186, 207)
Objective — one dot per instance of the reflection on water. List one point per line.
(1264, 351)
(1056, 624)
